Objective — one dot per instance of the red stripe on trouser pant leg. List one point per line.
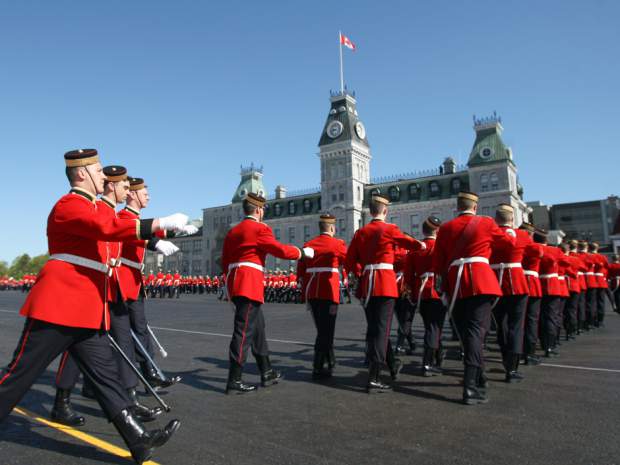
(61, 366)
(245, 328)
(20, 353)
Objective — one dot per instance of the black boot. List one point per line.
(374, 383)
(142, 412)
(400, 339)
(154, 379)
(142, 443)
(331, 359)
(471, 394)
(63, 412)
(428, 369)
(482, 382)
(318, 371)
(512, 372)
(412, 344)
(235, 384)
(532, 359)
(268, 375)
(440, 354)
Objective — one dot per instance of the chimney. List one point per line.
(449, 166)
(280, 192)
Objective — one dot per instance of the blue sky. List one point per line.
(183, 92)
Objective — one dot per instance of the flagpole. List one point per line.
(341, 69)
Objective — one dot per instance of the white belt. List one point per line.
(549, 276)
(530, 273)
(561, 278)
(589, 273)
(500, 266)
(256, 266)
(132, 264)
(424, 277)
(371, 278)
(461, 262)
(600, 275)
(322, 269)
(81, 261)
(580, 273)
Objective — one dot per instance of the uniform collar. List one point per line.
(84, 193)
(132, 210)
(249, 217)
(108, 202)
(429, 238)
(466, 213)
(378, 219)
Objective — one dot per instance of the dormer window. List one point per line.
(277, 209)
(414, 191)
(484, 182)
(455, 186)
(394, 193)
(307, 205)
(292, 208)
(434, 188)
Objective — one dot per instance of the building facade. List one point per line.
(346, 186)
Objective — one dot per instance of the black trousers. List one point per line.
(379, 314)
(472, 317)
(600, 305)
(571, 310)
(41, 343)
(590, 306)
(581, 309)
(405, 312)
(549, 308)
(433, 314)
(324, 313)
(120, 328)
(617, 298)
(509, 313)
(532, 318)
(248, 330)
(139, 325)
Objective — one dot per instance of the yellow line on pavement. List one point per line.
(93, 441)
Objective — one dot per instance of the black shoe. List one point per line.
(63, 412)
(331, 359)
(374, 383)
(532, 359)
(318, 370)
(268, 375)
(412, 345)
(235, 384)
(440, 354)
(141, 442)
(154, 379)
(395, 369)
(399, 350)
(472, 395)
(482, 382)
(142, 412)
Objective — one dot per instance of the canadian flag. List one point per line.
(344, 40)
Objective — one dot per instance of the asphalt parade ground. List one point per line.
(567, 411)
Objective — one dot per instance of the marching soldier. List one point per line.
(66, 308)
(421, 281)
(461, 257)
(571, 306)
(404, 308)
(371, 255)
(510, 309)
(581, 278)
(243, 259)
(600, 276)
(321, 289)
(532, 255)
(614, 280)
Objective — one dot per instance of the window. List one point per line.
(229, 219)
(394, 220)
(306, 233)
(291, 234)
(196, 266)
(414, 191)
(375, 191)
(214, 222)
(484, 182)
(434, 188)
(307, 205)
(359, 193)
(292, 208)
(341, 227)
(334, 198)
(208, 243)
(341, 168)
(394, 193)
(341, 193)
(276, 233)
(494, 181)
(415, 224)
(485, 211)
(455, 186)
(198, 246)
(277, 209)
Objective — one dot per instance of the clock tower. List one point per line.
(345, 164)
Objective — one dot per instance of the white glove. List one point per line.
(173, 222)
(511, 232)
(166, 247)
(188, 230)
(423, 244)
(308, 252)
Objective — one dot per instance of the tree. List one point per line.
(19, 267)
(4, 268)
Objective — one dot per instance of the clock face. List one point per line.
(334, 129)
(486, 152)
(360, 130)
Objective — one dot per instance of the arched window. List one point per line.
(292, 208)
(394, 193)
(494, 181)
(455, 185)
(277, 209)
(434, 188)
(484, 182)
(414, 191)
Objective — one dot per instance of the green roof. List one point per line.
(488, 146)
(421, 189)
(343, 109)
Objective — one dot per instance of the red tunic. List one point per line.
(418, 269)
(552, 264)
(456, 239)
(73, 295)
(110, 250)
(601, 267)
(250, 241)
(375, 244)
(130, 278)
(572, 274)
(513, 279)
(614, 276)
(319, 283)
(531, 266)
(589, 259)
